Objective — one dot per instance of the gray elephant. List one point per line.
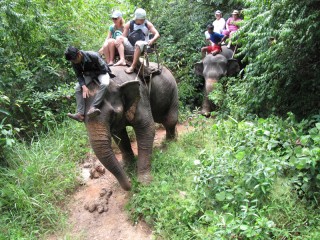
(212, 68)
(130, 102)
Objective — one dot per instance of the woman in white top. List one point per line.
(219, 24)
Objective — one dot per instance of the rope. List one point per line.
(235, 49)
(140, 68)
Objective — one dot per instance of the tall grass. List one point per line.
(38, 179)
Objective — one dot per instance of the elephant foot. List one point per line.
(171, 135)
(205, 113)
(145, 178)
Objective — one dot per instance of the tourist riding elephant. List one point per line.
(212, 69)
(130, 102)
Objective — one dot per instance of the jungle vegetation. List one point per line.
(253, 173)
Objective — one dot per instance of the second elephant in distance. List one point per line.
(131, 103)
(212, 69)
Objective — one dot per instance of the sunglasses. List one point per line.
(114, 18)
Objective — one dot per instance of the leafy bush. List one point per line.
(40, 110)
(34, 36)
(239, 175)
(278, 41)
(230, 179)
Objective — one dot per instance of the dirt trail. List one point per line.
(113, 222)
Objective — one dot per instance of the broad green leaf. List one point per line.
(221, 196)
(240, 155)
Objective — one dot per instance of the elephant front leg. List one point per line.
(123, 142)
(145, 137)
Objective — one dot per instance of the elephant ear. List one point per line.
(130, 93)
(198, 68)
(233, 67)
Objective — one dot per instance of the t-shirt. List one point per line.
(219, 25)
(216, 37)
(115, 31)
(233, 27)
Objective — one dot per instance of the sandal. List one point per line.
(120, 64)
(129, 70)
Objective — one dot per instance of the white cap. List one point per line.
(140, 14)
(116, 14)
(235, 12)
(218, 12)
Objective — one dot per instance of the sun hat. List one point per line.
(116, 14)
(235, 12)
(218, 12)
(140, 14)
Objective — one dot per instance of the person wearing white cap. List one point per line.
(135, 37)
(232, 25)
(116, 29)
(219, 24)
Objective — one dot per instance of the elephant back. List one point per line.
(226, 52)
(163, 94)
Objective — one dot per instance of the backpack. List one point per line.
(136, 35)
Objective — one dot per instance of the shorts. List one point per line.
(129, 47)
(215, 47)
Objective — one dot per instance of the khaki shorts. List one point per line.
(129, 47)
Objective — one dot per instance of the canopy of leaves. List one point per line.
(34, 34)
(280, 43)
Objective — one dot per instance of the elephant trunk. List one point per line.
(100, 140)
(207, 105)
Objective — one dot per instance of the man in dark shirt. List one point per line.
(87, 66)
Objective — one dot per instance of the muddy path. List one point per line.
(97, 209)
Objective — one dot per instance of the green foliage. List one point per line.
(7, 132)
(182, 25)
(34, 35)
(253, 179)
(44, 109)
(278, 41)
(38, 177)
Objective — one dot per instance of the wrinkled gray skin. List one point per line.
(212, 69)
(124, 92)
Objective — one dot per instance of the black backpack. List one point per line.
(136, 35)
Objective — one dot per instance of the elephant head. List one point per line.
(119, 99)
(212, 68)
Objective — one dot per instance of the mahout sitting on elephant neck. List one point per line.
(129, 103)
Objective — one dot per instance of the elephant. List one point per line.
(212, 68)
(132, 102)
